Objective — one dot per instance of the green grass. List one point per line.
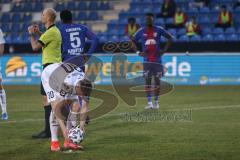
(212, 134)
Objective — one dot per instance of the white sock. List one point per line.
(3, 101)
(72, 120)
(53, 127)
(150, 103)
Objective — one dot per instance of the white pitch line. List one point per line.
(109, 115)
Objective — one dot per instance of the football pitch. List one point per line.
(194, 123)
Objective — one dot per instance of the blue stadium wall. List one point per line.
(196, 69)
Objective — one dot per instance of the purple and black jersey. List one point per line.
(74, 39)
(150, 38)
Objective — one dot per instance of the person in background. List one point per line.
(224, 18)
(131, 27)
(192, 27)
(168, 9)
(180, 18)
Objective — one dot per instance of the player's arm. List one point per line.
(135, 38)
(169, 38)
(94, 41)
(36, 45)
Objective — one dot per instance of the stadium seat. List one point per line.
(93, 6)
(219, 37)
(27, 17)
(103, 39)
(232, 37)
(8, 38)
(207, 38)
(16, 27)
(218, 31)
(123, 21)
(82, 6)
(183, 38)
(27, 7)
(59, 6)
(5, 18)
(93, 15)
(206, 31)
(169, 21)
(5, 27)
(71, 5)
(16, 17)
(204, 19)
(159, 21)
(16, 7)
(196, 38)
(230, 30)
(37, 6)
(104, 6)
(82, 16)
(204, 10)
(173, 32)
(113, 38)
(181, 32)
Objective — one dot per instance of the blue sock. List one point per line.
(156, 98)
(149, 98)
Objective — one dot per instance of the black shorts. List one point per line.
(152, 69)
(41, 85)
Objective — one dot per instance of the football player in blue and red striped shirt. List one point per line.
(150, 37)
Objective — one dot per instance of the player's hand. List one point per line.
(86, 57)
(161, 52)
(142, 54)
(31, 30)
(36, 28)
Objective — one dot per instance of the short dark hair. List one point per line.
(86, 87)
(66, 16)
(149, 14)
(131, 19)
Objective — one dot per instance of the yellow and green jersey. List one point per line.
(51, 41)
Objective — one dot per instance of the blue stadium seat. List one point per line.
(104, 6)
(219, 37)
(15, 28)
(16, 7)
(204, 19)
(103, 39)
(204, 10)
(59, 6)
(82, 16)
(181, 32)
(5, 27)
(192, 11)
(71, 5)
(82, 6)
(206, 31)
(93, 6)
(183, 38)
(169, 21)
(230, 30)
(15, 38)
(232, 37)
(123, 21)
(37, 7)
(27, 17)
(112, 24)
(93, 15)
(8, 38)
(25, 37)
(25, 27)
(218, 31)
(147, 10)
(159, 21)
(173, 32)
(5, 18)
(113, 38)
(16, 17)
(207, 38)
(27, 7)
(196, 38)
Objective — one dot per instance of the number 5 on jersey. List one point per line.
(75, 40)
